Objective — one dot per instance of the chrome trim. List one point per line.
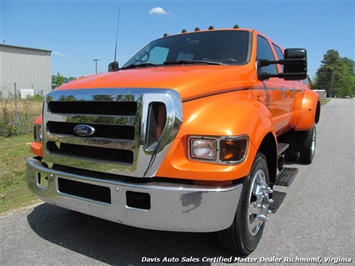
(174, 207)
(146, 160)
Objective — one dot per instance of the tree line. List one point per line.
(336, 75)
(59, 79)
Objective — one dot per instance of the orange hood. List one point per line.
(190, 81)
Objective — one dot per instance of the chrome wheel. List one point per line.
(244, 235)
(308, 145)
(313, 144)
(259, 201)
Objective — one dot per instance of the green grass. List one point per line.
(324, 101)
(14, 192)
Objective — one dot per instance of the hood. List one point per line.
(190, 81)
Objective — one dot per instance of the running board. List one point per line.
(286, 177)
(278, 198)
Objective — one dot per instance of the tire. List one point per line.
(244, 234)
(291, 153)
(308, 145)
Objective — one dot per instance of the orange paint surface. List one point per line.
(221, 100)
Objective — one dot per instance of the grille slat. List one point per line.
(101, 131)
(98, 108)
(90, 152)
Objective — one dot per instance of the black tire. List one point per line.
(308, 145)
(291, 153)
(242, 237)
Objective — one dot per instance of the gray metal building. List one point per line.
(24, 70)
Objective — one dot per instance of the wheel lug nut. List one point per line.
(263, 217)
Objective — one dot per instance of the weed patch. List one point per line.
(14, 192)
(16, 117)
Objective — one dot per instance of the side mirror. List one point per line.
(295, 65)
(112, 67)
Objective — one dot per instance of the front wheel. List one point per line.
(244, 234)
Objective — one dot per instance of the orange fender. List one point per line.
(223, 115)
(310, 111)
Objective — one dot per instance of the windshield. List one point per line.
(212, 47)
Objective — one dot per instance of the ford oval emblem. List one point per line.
(84, 130)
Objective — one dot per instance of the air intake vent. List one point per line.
(156, 123)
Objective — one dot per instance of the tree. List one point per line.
(336, 75)
(59, 80)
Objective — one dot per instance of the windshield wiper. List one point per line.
(140, 65)
(179, 62)
(183, 62)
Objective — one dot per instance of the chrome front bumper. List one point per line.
(153, 205)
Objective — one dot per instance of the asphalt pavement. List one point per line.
(314, 225)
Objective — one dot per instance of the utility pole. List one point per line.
(96, 64)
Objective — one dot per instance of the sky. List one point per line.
(79, 31)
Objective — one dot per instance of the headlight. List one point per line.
(222, 150)
(38, 133)
(203, 148)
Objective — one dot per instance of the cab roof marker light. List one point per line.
(197, 29)
(210, 28)
(236, 26)
(166, 35)
(184, 31)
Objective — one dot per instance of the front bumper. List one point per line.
(153, 205)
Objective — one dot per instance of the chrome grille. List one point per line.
(131, 128)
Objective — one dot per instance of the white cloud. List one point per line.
(158, 10)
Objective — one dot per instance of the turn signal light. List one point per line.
(37, 133)
(233, 150)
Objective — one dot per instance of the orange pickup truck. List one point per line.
(191, 134)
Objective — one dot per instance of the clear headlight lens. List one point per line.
(204, 149)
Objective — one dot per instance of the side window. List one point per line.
(279, 53)
(264, 52)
